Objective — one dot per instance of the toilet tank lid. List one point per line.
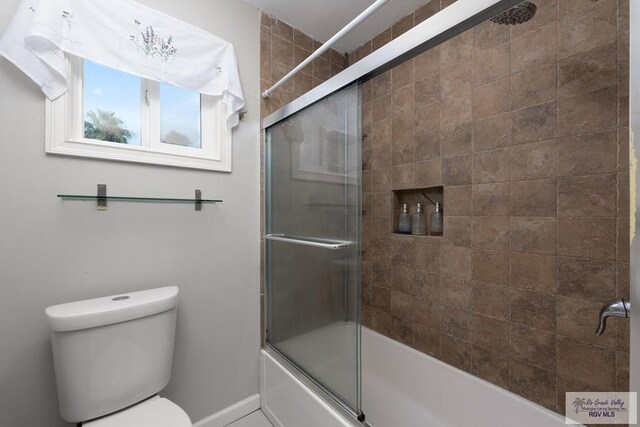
(112, 309)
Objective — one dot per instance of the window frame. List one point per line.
(65, 130)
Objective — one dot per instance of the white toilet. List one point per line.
(113, 355)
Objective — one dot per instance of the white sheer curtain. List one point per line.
(124, 35)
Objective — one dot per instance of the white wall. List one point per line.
(54, 251)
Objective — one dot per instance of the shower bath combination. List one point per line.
(322, 302)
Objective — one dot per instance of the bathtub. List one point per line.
(401, 387)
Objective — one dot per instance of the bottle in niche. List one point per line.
(437, 221)
(419, 226)
(404, 221)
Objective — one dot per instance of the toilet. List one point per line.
(113, 355)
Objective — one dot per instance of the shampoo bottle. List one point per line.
(419, 226)
(404, 221)
(437, 221)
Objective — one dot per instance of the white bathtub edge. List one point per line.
(402, 387)
(231, 413)
(287, 402)
(490, 391)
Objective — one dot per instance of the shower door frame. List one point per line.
(324, 392)
(634, 205)
(449, 22)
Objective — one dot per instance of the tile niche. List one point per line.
(426, 196)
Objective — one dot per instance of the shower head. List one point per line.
(517, 14)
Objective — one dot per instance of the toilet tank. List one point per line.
(112, 352)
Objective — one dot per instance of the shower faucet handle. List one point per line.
(618, 307)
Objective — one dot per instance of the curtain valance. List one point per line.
(124, 35)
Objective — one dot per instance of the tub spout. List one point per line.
(618, 307)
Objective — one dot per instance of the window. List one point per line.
(113, 115)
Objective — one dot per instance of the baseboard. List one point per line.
(231, 413)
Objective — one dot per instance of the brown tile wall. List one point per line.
(526, 129)
(282, 47)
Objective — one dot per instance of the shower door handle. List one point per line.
(317, 243)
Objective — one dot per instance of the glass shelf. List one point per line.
(136, 199)
(101, 198)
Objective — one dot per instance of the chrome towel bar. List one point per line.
(317, 243)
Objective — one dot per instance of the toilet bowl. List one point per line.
(154, 412)
(110, 354)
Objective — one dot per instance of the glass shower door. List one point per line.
(312, 243)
